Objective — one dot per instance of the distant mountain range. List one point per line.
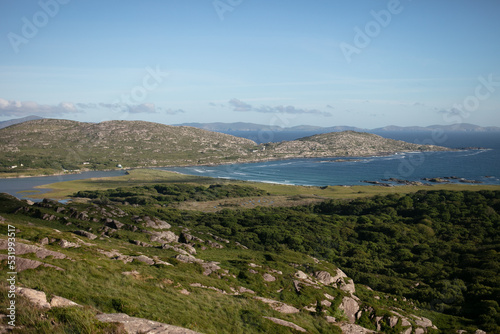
(10, 122)
(240, 126)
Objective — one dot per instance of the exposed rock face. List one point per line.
(278, 306)
(142, 326)
(187, 258)
(286, 324)
(163, 237)
(350, 307)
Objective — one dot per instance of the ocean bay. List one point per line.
(481, 164)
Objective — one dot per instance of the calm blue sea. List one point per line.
(482, 165)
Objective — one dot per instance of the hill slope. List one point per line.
(62, 144)
(347, 143)
(52, 143)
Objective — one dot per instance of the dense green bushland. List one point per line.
(439, 248)
(165, 194)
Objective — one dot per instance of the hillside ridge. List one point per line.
(55, 144)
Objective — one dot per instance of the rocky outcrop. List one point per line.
(24, 264)
(279, 306)
(39, 298)
(41, 253)
(350, 307)
(210, 267)
(354, 329)
(155, 223)
(67, 244)
(134, 325)
(286, 324)
(86, 234)
(163, 237)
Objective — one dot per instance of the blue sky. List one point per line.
(325, 62)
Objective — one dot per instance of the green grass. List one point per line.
(97, 282)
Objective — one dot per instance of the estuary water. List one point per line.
(25, 187)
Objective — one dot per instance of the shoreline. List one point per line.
(238, 161)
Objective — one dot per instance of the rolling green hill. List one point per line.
(63, 144)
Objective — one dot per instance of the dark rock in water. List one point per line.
(436, 180)
(378, 183)
(469, 181)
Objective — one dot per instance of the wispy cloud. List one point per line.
(241, 106)
(143, 108)
(450, 111)
(26, 108)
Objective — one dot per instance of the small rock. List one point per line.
(268, 278)
(243, 290)
(144, 259)
(326, 303)
(330, 319)
(66, 244)
(185, 292)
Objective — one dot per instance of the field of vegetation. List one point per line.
(430, 253)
